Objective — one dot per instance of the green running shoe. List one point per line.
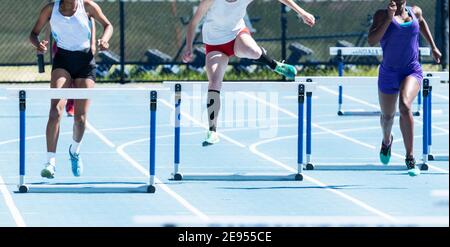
(286, 70)
(413, 170)
(211, 138)
(385, 152)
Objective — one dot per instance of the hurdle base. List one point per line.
(299, 177)
(177, 176)
(151, 189)
(241, 177)
(358, 168)
(437, 157)
(86, 188)
(424, 167)
(309, 167)
(23, 188)
(369, 113)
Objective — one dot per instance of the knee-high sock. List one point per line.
(266, 59)
(213, 105)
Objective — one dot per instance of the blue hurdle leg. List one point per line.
(430, 122)
(22, 137)
(153, 107)
(309, 165)
(301, 102)
(425, 125)
(176, 174)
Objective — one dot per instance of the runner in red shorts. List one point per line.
(225, 35)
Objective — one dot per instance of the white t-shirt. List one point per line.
(72, 33)
(224, 21)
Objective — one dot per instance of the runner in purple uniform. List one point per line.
(397, 29)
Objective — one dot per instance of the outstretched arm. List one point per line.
(425, 31)
(42, 21)
(95, 11)
(190, 33)
(308, 19)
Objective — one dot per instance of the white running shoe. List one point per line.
(211, 138)
(48, 171)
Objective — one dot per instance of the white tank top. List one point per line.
(224, 21)
(72, 33)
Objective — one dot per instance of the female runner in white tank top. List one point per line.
(74, 62)
(225, 35)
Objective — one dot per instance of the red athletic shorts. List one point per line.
(228, 48)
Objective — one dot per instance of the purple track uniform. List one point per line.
(400, 46)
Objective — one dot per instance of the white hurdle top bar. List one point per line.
(350, 79)
(369, 51)
(82, 93)
(243, 86)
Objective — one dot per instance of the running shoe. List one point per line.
(385, 152)
(211, 138)
(413, 170)
(77, 163)
(286, 70)
(48, 171)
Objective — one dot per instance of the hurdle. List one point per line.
(352, 79)
(340, 52)
(426, 133)
(25, 94)
(304, 93)
(428, 129)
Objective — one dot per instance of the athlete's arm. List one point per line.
(95, 11)
(203, 7)
(381, 21)
(93, 37)
(43, 19)
(308, 19)
(425, 30)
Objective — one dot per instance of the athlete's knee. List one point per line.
(56, 113)
(387, 117)
(254, 52)
(404, 106)
(80, 119)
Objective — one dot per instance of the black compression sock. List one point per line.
(266, 59)
(213, 105)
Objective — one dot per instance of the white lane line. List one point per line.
(100, 135)
(11, 205)
(253, 149)
(440, 96)
(190, 118)
(291, 221)
(439, 193)
(365, 144)
(418, 136)
(286, 167)
(363, 102)
(141, 169)
(289, 113)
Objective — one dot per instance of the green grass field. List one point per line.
(29, 74)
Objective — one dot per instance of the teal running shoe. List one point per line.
(77, 163)
(413, 170)
(385, 152)
(211, 138)
(48, 171)
(286, 70)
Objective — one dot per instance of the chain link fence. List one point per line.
(149, 35)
